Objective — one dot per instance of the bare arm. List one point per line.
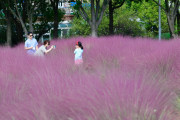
(49, 49)
(36, 48)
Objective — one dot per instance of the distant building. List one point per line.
(67, 7)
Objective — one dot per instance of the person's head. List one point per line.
(30, 35)
(46, 43)
(79, 45)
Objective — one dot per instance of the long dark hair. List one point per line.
(79, 44)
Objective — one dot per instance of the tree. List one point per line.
(8, 19)
(54, 4)
(126, 22)
(97, 12)
(57, 16)
(33, 15)
(123, 25)
(178, 22)
(113, 4)
(147, 15)
(29, 7)
(27, 15)
(8, 32)
(170, 8)
(12, 36)
(80, 27)
(45, 16)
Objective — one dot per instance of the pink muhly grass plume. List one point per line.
(122, 78)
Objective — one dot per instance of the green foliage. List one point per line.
(77, 5)
(44, 16)
(80, 27)
(165, 36)
(122, 24)
(2, 15)
(126, 22)
(103, 28)
(148, 14)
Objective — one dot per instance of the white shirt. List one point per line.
(41, 51)
(78, 53)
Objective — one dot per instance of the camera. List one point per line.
(54, 46)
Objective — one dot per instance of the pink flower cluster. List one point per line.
(121, 78)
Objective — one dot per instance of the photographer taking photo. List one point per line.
(43, 49)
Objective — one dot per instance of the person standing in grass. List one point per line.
(31, 44)
(43, 49)
(78, 53)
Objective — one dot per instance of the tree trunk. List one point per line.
(171, 8)
(24, 12)
(178, 22)
(171, 26)
(31, 29)
(24, 28)
(111, 11)
(93, 30)
(19, 18)
(19, 31)
(93, 21)
(96, 16)
(8, 31)
(56, 22)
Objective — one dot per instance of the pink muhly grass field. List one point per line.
(122, 78)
